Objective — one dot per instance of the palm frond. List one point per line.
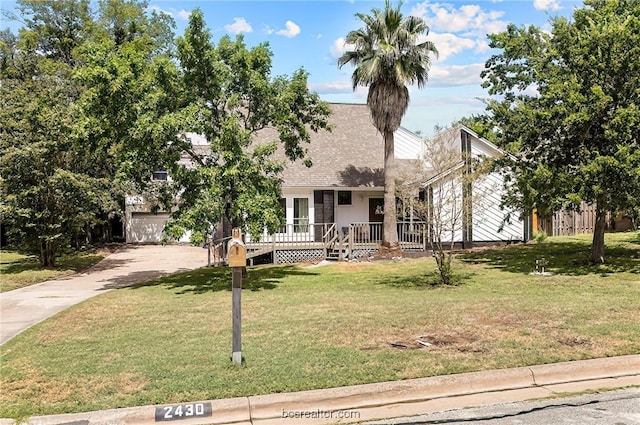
(387, 56)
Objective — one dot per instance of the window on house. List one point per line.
(300, 214)
(160, 175)
(344, 197)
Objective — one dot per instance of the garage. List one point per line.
(146, 227)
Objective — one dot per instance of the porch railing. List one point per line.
(328, 237)
(411, 235)
(295, 235)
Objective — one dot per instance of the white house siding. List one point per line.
(487, 192)
(487, 215)
(407, 145)
(450, 215)
(483, 149)
(357, 212)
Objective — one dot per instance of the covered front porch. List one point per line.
(296, 243)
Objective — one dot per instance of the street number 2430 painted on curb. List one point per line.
(177, 412)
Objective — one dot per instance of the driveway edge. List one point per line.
(377, 401)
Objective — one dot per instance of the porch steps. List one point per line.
(258, 252)
(333, 255)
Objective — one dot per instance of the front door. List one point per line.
(376, 210)
(376, 215)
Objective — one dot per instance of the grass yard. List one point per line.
(18, 270)
(169, 340)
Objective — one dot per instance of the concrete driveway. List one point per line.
(24, 307)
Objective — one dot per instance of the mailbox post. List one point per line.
(237, 261)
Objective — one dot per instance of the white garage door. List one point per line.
(146, 227)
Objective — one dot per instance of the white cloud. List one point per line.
(447, 44)
(182, 14)
(546, 5)
(239, 25)
(332, 87)
(455, 75)
(158, 9)
(532, 90)
(439, 76)
(339, 46)
(291, 31)
(450, 44)
(268, 30)
(468, 19)
(481, 46)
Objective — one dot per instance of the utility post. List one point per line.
(237, 261)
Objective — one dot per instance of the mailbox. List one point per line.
(237, 252)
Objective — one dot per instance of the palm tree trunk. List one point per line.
(390, 225)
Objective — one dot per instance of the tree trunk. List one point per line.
(48, 254)
(597, 246)
(44, 255)
(390, 224)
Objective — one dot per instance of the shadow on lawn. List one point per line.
(566, 258)
(214, 279)
(31, 263)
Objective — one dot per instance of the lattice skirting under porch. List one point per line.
(359, 254)
(298, 256)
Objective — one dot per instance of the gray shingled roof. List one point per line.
(351, 155)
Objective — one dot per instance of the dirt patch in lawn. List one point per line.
(461, 342)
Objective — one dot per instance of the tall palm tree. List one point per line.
(387, 55)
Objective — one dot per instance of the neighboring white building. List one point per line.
(484, 220)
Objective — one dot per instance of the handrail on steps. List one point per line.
(219, 248)
(332, 228)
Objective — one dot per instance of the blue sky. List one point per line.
(310, 34)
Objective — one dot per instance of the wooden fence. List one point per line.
(569, 223)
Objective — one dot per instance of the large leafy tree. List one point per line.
(229, 96)
(83, 96)
(56, 26)
(389, 53)
(568, 105)
(131, 86)
(49, 191)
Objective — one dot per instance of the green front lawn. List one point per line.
(18, 270)
(169, 340)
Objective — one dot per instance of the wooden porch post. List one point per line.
(424, 236)
(273, 249)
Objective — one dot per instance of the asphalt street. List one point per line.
(621, 407)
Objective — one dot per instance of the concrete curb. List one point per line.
(369, 402)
